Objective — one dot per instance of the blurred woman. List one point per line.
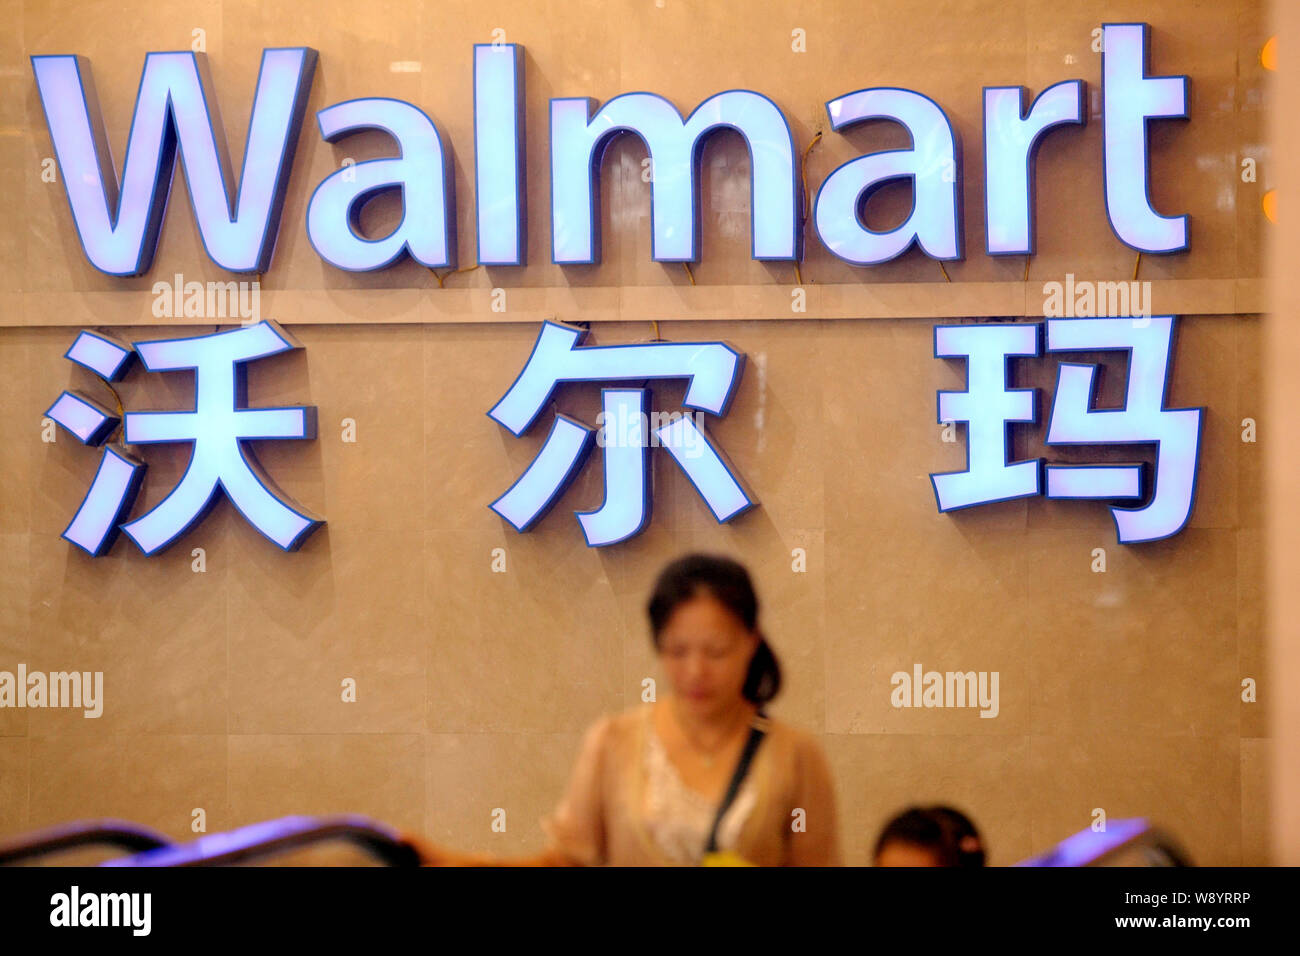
(703, 776)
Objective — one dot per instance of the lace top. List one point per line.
(678, 818)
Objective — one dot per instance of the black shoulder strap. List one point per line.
(756, 733)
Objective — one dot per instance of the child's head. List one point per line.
(929, 836)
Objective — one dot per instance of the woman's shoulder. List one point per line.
(618, 727)
(793, 737)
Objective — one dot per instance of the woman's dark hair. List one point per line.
(728, 582)
(946, 832)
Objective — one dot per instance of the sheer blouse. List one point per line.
(626, 804)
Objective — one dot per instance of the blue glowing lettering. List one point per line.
(421, 174)
(1010, 142)
(1176, 432)
(119, 223)
(218, 428)
(988, 405)
(499, 153)
(1130, 99)
(578, 142)
(932, 165)
(714, 370)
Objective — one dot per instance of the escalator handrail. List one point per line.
(1089, 848)
(116, 833)
(270, 837)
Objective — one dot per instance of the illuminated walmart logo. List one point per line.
(119, 219)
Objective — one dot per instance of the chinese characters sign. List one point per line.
(988, 406)
(220, 425)
(217, 428)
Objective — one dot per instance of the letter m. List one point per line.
(579, 140)
(117, 909)
(118, 223)
(1113, 299)
(961, 689)
(65, 687)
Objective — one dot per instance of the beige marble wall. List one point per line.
(1119, 691)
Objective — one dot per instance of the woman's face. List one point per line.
(705, 650)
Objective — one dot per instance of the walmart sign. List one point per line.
(118, 222)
